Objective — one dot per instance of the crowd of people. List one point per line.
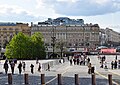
(79, 60)
(103, 62)
(82, 60)
(21, 66)
(74, 60)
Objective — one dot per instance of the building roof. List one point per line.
(7, 24)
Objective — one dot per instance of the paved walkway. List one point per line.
(67, 72)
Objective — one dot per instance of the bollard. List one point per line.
(76, 79)
(93, 79)
(110, 79)
(26, 79)
(10, 79)
(42, 79)
(59, 79)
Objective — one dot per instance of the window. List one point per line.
(10, 29)
(16, 29)
(4, 29)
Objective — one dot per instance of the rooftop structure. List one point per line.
(62, 21)
(7, 24)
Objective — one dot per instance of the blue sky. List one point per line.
(103, 12)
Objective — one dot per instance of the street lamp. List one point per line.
(53, 40)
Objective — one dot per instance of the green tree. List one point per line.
(24, 47)
(17, 47)
(38, 48)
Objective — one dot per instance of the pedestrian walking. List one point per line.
(104, 58)
(74, 60)
(115, 64)
(63, 60)
(20, 67)
(101, 64)
(24, 66)
(105, 65)
(6, 67)
(12, 64)
(39, 67)
(88, 60)
(48, 68)
(112, 65)
(32, 67)
(78, 61)
(89, 68)
(116, 57)
(70, 61)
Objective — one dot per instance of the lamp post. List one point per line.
(53, 40)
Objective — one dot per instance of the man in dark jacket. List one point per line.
(6, 67)
(32, 66)
(12, 64)
(20, 67)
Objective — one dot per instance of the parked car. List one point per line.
(118, 49)
(100, 47)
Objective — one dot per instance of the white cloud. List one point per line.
(15, 13)
(81, 7)
(68, 1)
(100, 1)
(46, 8)
(10, 9)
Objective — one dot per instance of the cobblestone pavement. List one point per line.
(65, 70)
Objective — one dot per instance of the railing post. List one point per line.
(26, 78)
(76, 79)
(110, 79)
(10, 79)
(93, 79)
(42, 79)
(59, 79)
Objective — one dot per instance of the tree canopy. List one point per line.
(26, 47)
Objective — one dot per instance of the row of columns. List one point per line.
(26, 82)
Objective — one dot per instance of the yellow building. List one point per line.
(7, 31)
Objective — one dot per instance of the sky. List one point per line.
(105, 13)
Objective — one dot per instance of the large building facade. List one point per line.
(74, 36)
(7, 31)
(113, 37)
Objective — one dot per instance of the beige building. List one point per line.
(75, 36)
(113, 37)
(7, 31)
